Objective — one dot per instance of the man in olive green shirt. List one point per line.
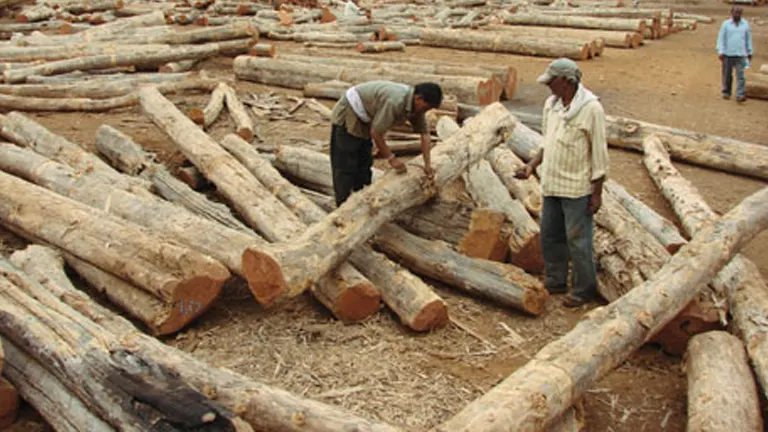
(362, 116)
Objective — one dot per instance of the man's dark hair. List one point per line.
(430, 92)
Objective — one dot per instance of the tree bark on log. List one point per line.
(413, 301)
(757, 86)
(237, 111)
(721, 391)
(97, 88)
(262, 406)
(208, 115)
(168, 271)
(141, 59)
(325, 244)
(296, 75)
(131, 159)
(262, 50)
(500, 42)
(611, 38)
(380, 46)
(740, 279)
(559, 374)
(129, 391)
(504, 162)
(52, 53)
(622, 24)
(665, 231)
(234, 30)
(119, 26)
(502, 283)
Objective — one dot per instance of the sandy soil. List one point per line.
(381, 370)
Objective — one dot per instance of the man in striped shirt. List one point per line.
(574, 163)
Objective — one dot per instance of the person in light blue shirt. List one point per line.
(734, 47)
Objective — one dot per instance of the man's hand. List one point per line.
(595, 202)
(749, 57)
(430, 172)
(721, 57)
(524, 172)
(397, 164)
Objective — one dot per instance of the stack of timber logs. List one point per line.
(159, 380)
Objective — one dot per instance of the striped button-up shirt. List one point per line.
(735, 40)
(575, 150)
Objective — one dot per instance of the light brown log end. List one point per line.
(21, 18)
(245, 133)
(484, 238)
(528, 256)
(243, 9)
(357, 302)
(694, 319)
(264, 276)
(192, 298)
(360, 47)
(192, 177)
(432, 316)
(196, 115)
(327, 16)
(9, 403)
(262, 50)
(489, 91)
(286, 20)
(586, 52)
(672, 248)
(534, 300)
(201, 20)
(510, 83)
(66, 29)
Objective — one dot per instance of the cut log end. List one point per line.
(528, 256)
(191, 299)
(485, 239)
(510, 86)
(246, 134)
(196, 115)
(534, 300)
(264, 275)
(357, 303)
(489, 91)
(432, 316)
(694, 319)
(262, 50)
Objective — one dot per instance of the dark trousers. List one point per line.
(729, 64)
(351, 161)
(567, 232)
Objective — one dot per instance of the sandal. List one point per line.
(574, 301)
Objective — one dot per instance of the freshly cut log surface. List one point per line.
(561, 373)
(721, 391)
(326, 243)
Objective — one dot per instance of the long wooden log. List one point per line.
(487, 190)
(168, 271)
(129, 391)
(27, 103)
(128, 59)
(413, 301)
(212, 109)
(296, 75)
(622, 24)
(325, 244)
(234, 30)
(665, 231)
(116, 27)
(380, 46)
(721, 391)
(262, 406)
(130, 158)
(740, 279)
(97, 87)
(504, 163)
(611, 38)
(243, 121)
(507, 75)
(253, 201)
(611, 12)
(559, 374)
(50, 53)
(500, 42)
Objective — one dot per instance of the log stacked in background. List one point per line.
(611, 38)
(538, 19)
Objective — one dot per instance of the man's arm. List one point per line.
(384, 150)
(426, 147)
(721, 41)
(526, 171)
(599, 158)
(749, 42)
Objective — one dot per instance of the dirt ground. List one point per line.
(379, 369)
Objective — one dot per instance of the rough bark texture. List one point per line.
(504, 163)
(127, 390)
(296, 75)
(625, 24)
(326, 243)
(265, 408)
(168, 271)
(377, 47)
(721, 391)
(611, 38)
(502, 283)
(757, 86)
(501, 42)
(94, 88)
(237, 111)
(559, 374)
(740, 279)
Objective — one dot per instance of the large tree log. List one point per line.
(380, 46)
(264, 407)
(325, 244)
(721, 391)
(119, 26)
(130, 158)
(611, 12)
(212, 109)
(139, 60)
(97, 89)
(99, 105)
(412, 300)
(505, 162)
(740, 279)
(234, 30)
(296, 75)
(50, 53)
(487, 190)
(237, 111)
(502, 283)
(507, 75)
(24, 131)
(611, 38)
(168, 271)
(665, 231)
(58, 405)
(623, 24)
(345, 288)
(129, 391)
(501, 42)
(558, 375)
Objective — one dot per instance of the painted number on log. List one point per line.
(187, 307)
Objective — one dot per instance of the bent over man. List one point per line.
(574, 163)
(364, 114)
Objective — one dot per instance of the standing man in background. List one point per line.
(734, 47)
(366, 112)
(574, 163)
